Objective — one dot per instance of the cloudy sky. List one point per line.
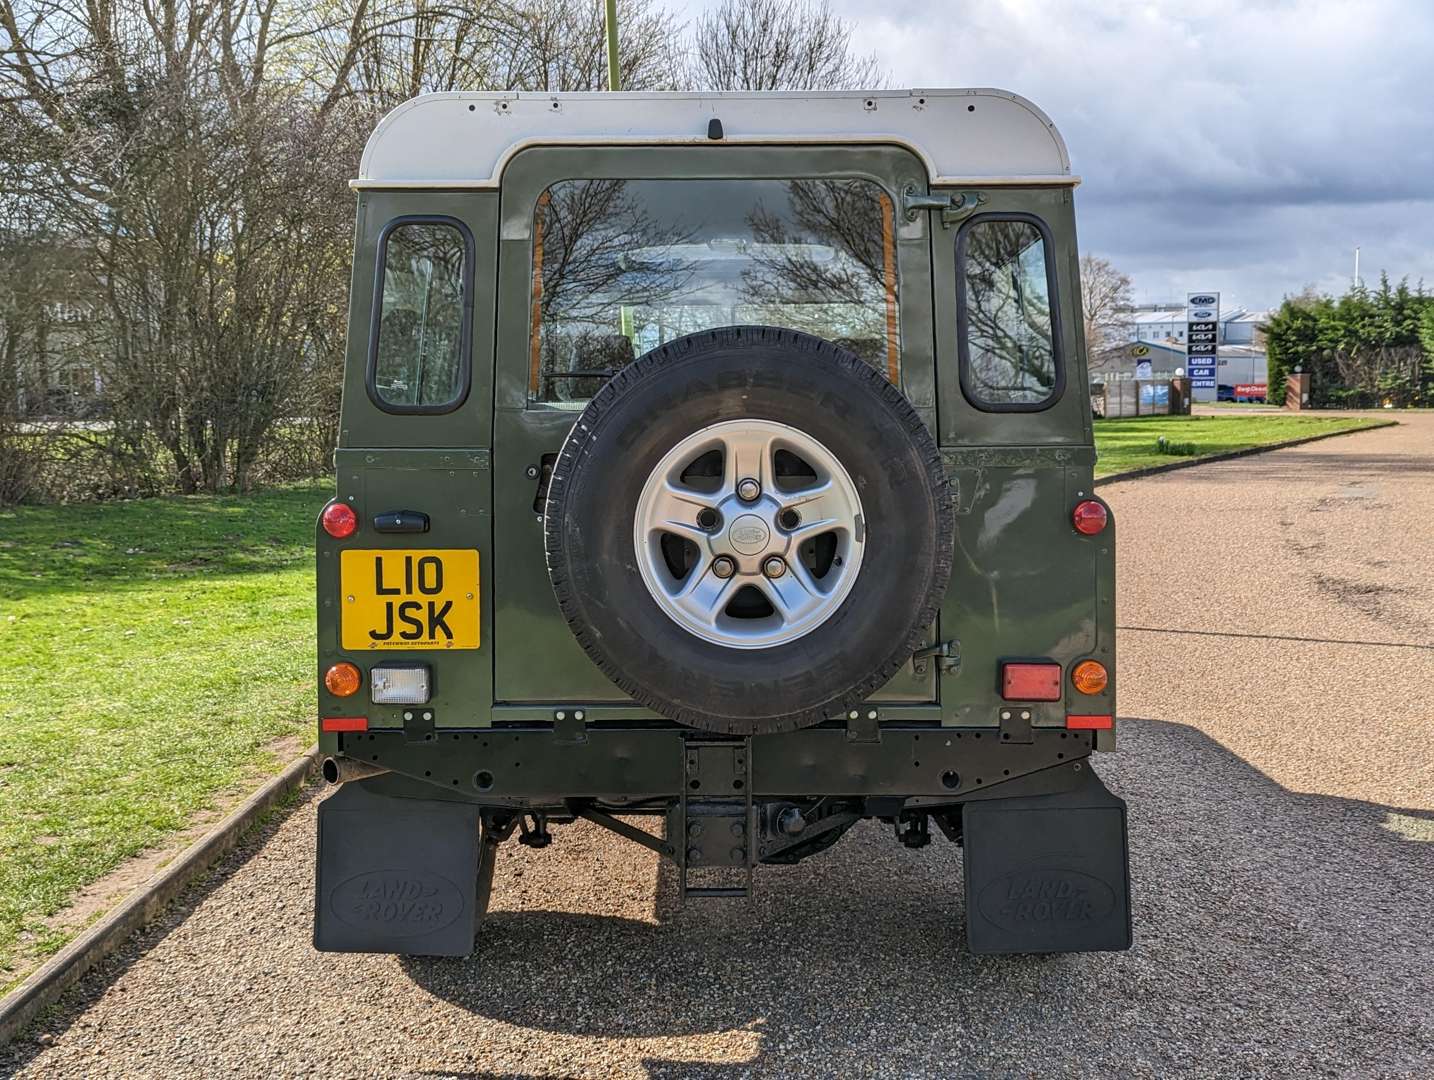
(1239, 145)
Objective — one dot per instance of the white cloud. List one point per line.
(1246, 146)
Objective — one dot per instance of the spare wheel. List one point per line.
(748, 530)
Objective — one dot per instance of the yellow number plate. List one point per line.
(404, 599)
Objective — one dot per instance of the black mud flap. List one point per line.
(395, 875)
(1048, 873)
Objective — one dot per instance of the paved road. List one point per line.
(1279, 767)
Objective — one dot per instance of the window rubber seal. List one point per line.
(465, 333)
(963, 351)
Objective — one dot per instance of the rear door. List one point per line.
(607, 253)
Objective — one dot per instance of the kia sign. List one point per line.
(1202, 329)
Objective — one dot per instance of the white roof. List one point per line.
(464, 139)
(1172, 315)
(1178, 315)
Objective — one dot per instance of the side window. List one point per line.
(419, 360)
(1009, 345)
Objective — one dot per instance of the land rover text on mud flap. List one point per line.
(722, 460)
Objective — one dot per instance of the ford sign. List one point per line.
(1200, 315)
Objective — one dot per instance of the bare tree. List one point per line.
(181, 164)
(1105, 301)
(562, 46)
(200, 189)
(777, 45)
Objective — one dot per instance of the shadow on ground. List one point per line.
(1301, 919)
(1276, 933)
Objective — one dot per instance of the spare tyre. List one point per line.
(748, 529)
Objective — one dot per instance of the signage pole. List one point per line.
(613, 77)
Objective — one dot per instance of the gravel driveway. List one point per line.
(1280, 774)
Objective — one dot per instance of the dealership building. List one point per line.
(1156, 334)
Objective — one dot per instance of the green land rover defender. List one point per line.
(716, 469)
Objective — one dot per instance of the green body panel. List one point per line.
(380, 481)
(1024, 585)
(470, 425)
(1068, 420)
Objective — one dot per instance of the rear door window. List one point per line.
(423, 307)
(623, 266)
(1009, 336)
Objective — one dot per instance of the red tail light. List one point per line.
(339, 520)
(1090, 723)
(1031, 682)
(1090, 517)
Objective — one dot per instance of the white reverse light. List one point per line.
(406, 684)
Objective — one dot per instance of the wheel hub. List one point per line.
(760, 554)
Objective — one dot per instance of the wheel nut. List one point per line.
(748, 489)
(723, 567)
(774, 567)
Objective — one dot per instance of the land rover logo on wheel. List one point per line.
(1204, 300)
(749, 534)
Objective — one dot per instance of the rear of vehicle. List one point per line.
(718, 464)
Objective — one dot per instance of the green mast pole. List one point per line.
(613, 79)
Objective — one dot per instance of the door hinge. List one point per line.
(947, 655)
(953, 205)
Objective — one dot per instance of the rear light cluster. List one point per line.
(1090, 517)
(1041, 681)
(339, 520)
(400, 684)
(393, 684)
(1031, 682)
(1089, 677)
(343, 680)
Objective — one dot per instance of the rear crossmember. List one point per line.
(539, 765)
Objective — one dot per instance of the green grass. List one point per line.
(1134, 444)
(152, 651)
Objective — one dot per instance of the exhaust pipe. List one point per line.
(340, 770)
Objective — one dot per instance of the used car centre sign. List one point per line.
(1202, 329)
